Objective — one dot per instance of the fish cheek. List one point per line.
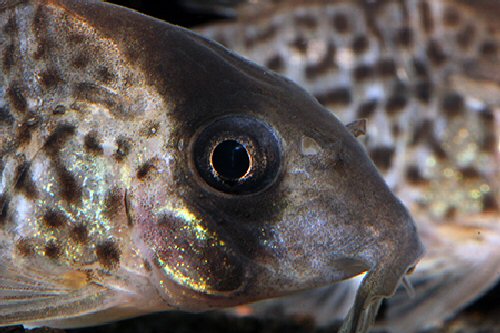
(189, 254)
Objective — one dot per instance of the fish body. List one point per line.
(426, 76)
(146, 168)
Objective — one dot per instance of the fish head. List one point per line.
(267, 192)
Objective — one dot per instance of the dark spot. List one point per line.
(396, 130)
(465, 37)
(363, 72)
(147, 266)
(263, 35)
(59, 110)
(306, 21)
(76, 38)
(367, 109)
(451, 17)
(438, 149)
(4, 209)
(108, 254)
(404, 37)
(414, 175)
(423, 91)
(489, 49)
(435, 53)
(50, 78)
(92, 144)
(52, 250)
(24, 181)
(25, 248)
(69, 189)
(420, 68)
(58, 138)
(451, 213)
(424, 131)
(453, 105)
(382, 157)
(489, 139)
(395, 104)
(79, 233)
(54, 219)
(336, 96)
(39, 20)
(276, 63)
(469, 172)
(23, 134)
(144, 170)
(386, 67)
(42, 48)
(426, 17)
(11, 26)
(81, 61)
(324, 65)
(113, 202)
(17, 98)
(122, 148)
(104, 75)
(299, 43)
(8, 58)
(149, 129)
(490, 204)
(360, 44)
(5, 116)
(341, 23)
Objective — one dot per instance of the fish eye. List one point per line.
(237, 155)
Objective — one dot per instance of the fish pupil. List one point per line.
(230, 160)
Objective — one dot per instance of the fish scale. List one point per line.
(425, 76)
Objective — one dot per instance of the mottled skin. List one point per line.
(426, 76)
(104, 214)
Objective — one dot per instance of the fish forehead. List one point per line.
(414, 69)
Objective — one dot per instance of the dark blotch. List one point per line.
(108, 254)
(104, 75)
(382, 157)
(69, 189)
(341, 23)
(25, 248)
(8, 58)
(435, 53)
(489, 49)
(4, 208)
(420, 68)
(395, 104)
(465, 37)
(58, 138)
(144, 170)
(299, 43)
(54, 219)
(424, 132)
(469, 173)
(113, 202)
(453, 105)
(489, 139)
(276, 63)
(360, 44)
(426, 17)
(337, 96)
(363, 72)
(122, 149)
(451, 17)
(17, 99)
(92, 144)
(423, 91)
(24, 182)
(59, 110)
(52, 250)
(50, 78)
(367, 109)
(490, 204)
(5, 116)
(306, 21)
(414, 175)
(327, 63)
(81, 61)
(386, 67)
(79, 233)
(404, 37)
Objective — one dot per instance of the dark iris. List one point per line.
(230, 160)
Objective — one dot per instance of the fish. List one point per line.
(147, 168)
(426, 77)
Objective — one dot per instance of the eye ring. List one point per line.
(237, 155)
